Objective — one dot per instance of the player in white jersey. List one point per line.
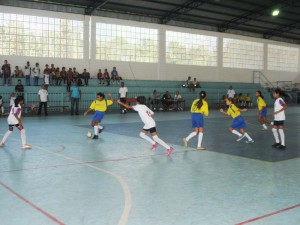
(149, 124)
(279, 118)
(14, 120)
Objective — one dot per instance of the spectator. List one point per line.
(1, 105)
(27, 73)
(230, 92)
(100, 77)
(154, 100)
(75, 74)
(52, 75)
(18, 73)
(86, 77)
(69, 79)
(19, 88)
(57, 77)
(235, 99)
(75, 94)
(122, 96)
(196, 83)
(178, 101)
(115, 75)
(6, 73)
(12, 98)
(36, 74)
(47, 72)
(63, 74)
(166, 102)
(43, 97)
(106, 77)
(241, 99)
(248, 101)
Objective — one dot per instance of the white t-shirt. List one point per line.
(230, 93)
(12, 101)
(27, 70)
(279, 103)
(123, 91)
(36, 71)
(177, 97)
(146, 115)
(46, 78)
(43, 95)
(12, 120)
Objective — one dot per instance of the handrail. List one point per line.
(262, 79)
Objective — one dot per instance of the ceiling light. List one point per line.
(275, 12)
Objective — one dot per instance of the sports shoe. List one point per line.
(169, 151)
(281, 147)
(276, 145)
(153, 147)
(249, 142)
(26, 146)
(185, 142)
(100, 130)
(272, 123)
(201, 148)
(2, 144)
(240, 138)
(95, 137)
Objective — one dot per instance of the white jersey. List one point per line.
(145, 113)
(279, 103)
(230, 93)
(43, 95)
(12, 100)
(46, 78)
(12, 120)
(123, 91)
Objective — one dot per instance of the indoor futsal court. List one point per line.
(67, 178)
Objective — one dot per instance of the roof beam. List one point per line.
(183, 9)
(246, 17)
(96, 5)
(281, 29)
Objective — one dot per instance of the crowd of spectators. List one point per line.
(166, 101)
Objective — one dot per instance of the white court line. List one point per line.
(124, 185)
(127, 195)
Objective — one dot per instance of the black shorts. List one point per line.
(278, 122)
(13, 125)
(152, 130)
(123, 100)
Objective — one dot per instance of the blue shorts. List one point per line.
(264, 113)
(238, 123)
(197, 120)
(98, 116)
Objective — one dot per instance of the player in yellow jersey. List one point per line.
(262, 108)
(199, 109)
(100, 107)
(238, 121)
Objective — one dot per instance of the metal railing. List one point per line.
(260, 78)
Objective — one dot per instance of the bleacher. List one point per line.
(59, 98)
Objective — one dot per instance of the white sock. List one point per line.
(275, 133)
(6, 136)
(247, 136)
(161, 142)
(193, 134)
(264, 126)
(2, 110)
(237, 133)
(200, 137)
(100, 127)
(144, 136)
(96, 130)
(282, 136)
(23, 136)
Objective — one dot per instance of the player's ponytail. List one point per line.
(200, 102)
(259, 92)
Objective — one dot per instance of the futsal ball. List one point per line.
(89, 134)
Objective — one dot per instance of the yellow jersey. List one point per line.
(261, 103)
(101, 106)
(233, 111)
(241, 98)
(248, 98)
(203, 110)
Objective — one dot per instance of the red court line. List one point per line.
(267, 215)
(32, 205)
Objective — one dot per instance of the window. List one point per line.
(282, 58)
(191, 49)
(36, 36)
(243, 54)
(125, 43)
